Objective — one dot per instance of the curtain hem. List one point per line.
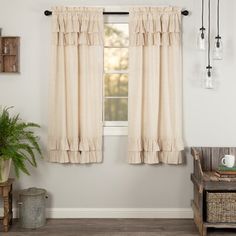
(174, 157)
(62, 156)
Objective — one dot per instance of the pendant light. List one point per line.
(218, 47)
(201, 41)
(209, 82)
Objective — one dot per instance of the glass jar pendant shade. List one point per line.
(201, 39)
(201, 43)
(209, 81)
(218, 49)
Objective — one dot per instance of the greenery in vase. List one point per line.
(18, 142)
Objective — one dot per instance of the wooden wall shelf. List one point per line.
(9, 54)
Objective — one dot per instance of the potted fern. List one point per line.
(18, 144)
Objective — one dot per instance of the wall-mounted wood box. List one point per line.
(9, 54)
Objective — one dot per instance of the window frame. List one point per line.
(114, 128)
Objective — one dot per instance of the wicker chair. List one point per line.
(214, 203)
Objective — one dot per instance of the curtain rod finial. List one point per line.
(47, 13)
(185, 12)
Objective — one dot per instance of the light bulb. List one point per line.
(209, 82)
(201, 40)
(218, 49)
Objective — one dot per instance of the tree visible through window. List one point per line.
(116, 72)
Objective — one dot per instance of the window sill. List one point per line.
(115, 131)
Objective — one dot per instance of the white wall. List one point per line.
(209, 116)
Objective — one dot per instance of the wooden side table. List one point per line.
(6, 193)
(206, 161)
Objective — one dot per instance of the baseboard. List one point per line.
(119, 213)
(178, 213)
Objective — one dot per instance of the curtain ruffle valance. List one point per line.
(155, 26)
(77, 26)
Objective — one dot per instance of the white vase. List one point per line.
(5, 166)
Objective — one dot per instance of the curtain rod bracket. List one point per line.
(49, 13)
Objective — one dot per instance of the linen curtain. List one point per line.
(75, 120)
(155, 86)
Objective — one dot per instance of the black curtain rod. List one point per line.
(49, 13)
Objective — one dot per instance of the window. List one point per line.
(115, 83)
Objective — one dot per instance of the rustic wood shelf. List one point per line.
(9, 54)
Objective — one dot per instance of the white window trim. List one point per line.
(115, 128)
(117, 72)
(115, 123)
(115, 131)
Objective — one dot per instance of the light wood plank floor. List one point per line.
(114, 227)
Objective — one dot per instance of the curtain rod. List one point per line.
(49, 13)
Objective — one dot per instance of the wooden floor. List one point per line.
(114, 227)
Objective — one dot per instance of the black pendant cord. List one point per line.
(209, 67)
(49, 13)
(202, 28)
(202, 14)
(218, 25)
(218, 18)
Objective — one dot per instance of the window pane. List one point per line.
(116, 109)
(115, 59)
(116, 35)
(116, 85)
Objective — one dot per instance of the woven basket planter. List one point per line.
(221, 207)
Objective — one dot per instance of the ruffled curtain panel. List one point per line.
(155, 86)
(75, 120)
